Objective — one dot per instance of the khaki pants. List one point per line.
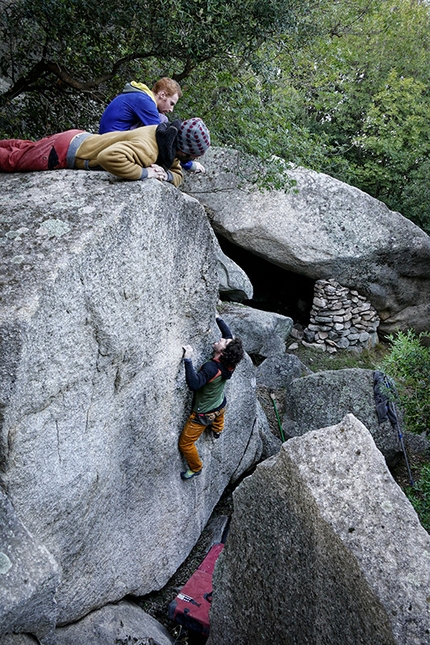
(193, 429)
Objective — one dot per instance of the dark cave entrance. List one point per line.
(275, 289)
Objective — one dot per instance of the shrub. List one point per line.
(419, 496)
(408, 364)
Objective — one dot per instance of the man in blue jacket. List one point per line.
(137, 106)
(209, 400)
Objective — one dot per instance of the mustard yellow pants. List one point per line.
(192, 430)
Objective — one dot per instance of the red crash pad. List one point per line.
(191, 606)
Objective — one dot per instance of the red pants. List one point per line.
(191, 432)
(17, 155)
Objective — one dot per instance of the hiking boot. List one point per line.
(189, 474)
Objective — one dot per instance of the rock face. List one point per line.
(324, 398)
(279, 370)
(123, 624)
(323, 548)
(101, 285)
(233, 281)
(29, 578)
(324, 229)
(263, 333)
(18, 639)
(271, 444)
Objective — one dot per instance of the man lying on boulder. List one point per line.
(144, 153)
(209, 401)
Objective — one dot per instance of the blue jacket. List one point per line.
(129, 110)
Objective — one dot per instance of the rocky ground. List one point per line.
(157, 603)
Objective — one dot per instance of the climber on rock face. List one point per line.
(209, 400)
(144, 153)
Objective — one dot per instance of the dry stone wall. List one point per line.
(340, 318)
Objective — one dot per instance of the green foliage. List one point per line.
(396, 124)
(70, 54)
(408, 364)
(248, 106)
(366, 90)
(419, 496)
(352, 102)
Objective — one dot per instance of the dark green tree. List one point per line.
(365, 91)
(63, 59)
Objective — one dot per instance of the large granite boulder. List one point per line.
(234, 284)
(262, 443)
(101, 284)
(323, 548)
(324, 229)
(121, 624)
(263, 333)
(279, 370)
(29, 578)
(324, 398)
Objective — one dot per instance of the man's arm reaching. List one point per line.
(196, 380)
(224, 328)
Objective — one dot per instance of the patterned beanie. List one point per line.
(193, 137)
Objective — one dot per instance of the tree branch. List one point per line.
(186, 71)
(26, 83)
(86, 86)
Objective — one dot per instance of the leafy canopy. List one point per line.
(364, 87)
(64, 50)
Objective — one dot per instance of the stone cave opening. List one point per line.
(275, 289)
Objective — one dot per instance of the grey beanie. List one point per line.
(193, 137)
